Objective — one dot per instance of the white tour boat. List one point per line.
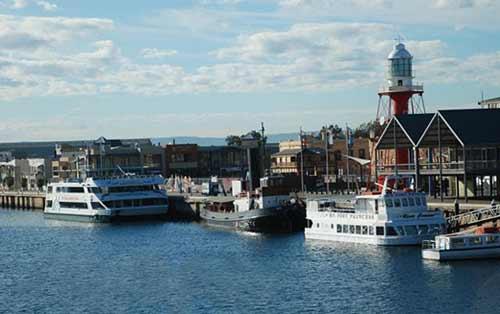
(463, 246)
(394, 216)
(103, 200)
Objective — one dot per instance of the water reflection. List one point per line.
(59, 266)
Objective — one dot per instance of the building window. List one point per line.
(362, 153)
(338, 155)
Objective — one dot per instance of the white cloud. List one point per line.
(23, 33)
(461, 4)
(220, 2)
(18, 4)
(306, 57)
(154, 53)
(47, 6)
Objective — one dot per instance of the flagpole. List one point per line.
(301, 161)
(327, 139)
(347, 139)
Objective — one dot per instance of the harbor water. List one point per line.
(49, 266)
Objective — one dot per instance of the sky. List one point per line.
(83, 69)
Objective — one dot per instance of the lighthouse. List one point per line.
(400, 95)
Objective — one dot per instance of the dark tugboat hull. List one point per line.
(269, 220)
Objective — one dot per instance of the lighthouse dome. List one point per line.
(399, 52)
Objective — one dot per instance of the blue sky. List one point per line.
(80, 69)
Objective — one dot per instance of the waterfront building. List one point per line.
(24, 174)
(287, 161)
(493, 103)
(182, 160)
(453, 153)
(105, 157)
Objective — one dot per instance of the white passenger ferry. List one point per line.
(394, 216)
(103, 200)
(463, 246)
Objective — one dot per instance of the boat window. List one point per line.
(376, 206)
(491, 239)
(132, 188)
(73, 189)
(424, 201)
(423, 229)
(339, 228)
(352, 229)
(58, 189)
(417, 201)
(358, 229)
(49, 203)
(411, 201)
(391, 231)
(49, 189)
(388, 203)
(127, 203)
(345, 229)
(380, 231)
(400, 230)
(457, 242)
(405, 202)
(73, 205)
(411, 230)
(96, 205)
(370, 230)
(397, 202)
(95, 190)
(364, 230)
(317, 225)
(476, 241)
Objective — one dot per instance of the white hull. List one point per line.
(105, 215)
(366, 239)
(475, 253)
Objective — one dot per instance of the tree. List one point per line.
(363, 130)
(233, 140)
(9, 182)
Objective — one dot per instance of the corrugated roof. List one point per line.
(474, 126)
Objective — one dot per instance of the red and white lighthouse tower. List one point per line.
(400, 96)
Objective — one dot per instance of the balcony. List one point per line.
(401, 89)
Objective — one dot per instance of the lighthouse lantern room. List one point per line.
(400, 96)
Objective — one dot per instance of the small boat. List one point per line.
(106, 199)
(397, 215)
(484, 243)
(268, 209)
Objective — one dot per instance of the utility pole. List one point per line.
(301, 160)
(347, 143)
(262, 150)
(327, 176)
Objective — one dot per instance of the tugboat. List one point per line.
(268, 209)
(397, 215)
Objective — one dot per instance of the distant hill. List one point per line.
(217, 141)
